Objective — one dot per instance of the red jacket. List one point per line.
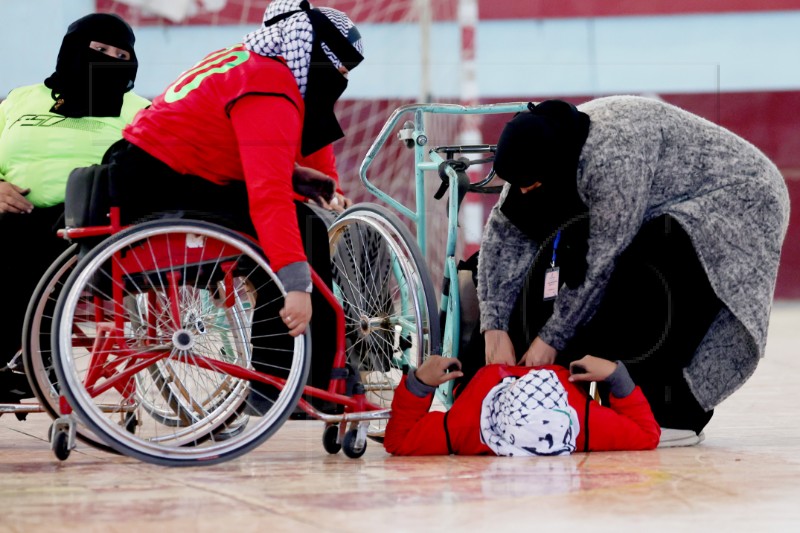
(628, 424)
(237, 116)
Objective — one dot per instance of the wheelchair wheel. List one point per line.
(383, 284)
(189, 311)
(173, 407)
(37, 355)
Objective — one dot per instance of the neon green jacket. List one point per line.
(38, 148)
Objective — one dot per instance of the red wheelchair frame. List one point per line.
(116, 364)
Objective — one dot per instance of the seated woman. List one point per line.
(46, 130)
(226, 137)
(516, 410)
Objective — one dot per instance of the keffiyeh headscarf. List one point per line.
(529, 416)
(292, 37)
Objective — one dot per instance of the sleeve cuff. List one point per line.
(552, 336)
(296, 277)
(620, 381)
(494, 316)
(416, 387)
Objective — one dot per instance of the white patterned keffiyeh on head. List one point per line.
(529, 416)
(293, 37)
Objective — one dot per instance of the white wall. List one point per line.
(30, 35)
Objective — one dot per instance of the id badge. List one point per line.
(551, 284)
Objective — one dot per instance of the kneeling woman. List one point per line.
(646, 234)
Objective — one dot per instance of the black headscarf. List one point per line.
(544, 144)
(87, 82)
(314, 42)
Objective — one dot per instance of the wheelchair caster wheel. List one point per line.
(62, 437)
(59, 441)
(22, 417)
(329, 439)
(350, 445)
(60, 445)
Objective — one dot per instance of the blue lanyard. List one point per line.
(555, 247)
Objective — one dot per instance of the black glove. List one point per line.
(314, 185)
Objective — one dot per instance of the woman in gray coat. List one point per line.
(631, 229)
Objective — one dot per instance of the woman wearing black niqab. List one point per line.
(46, 130)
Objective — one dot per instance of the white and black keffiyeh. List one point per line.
(293, 37)
(529, 416)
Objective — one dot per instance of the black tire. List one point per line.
(131, 422)
(329, 437)
(349, 445)
(60, 445)
(36, 337)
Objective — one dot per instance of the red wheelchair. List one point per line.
(167, 345)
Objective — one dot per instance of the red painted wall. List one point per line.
(516, 9)
(789, 273)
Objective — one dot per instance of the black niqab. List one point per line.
(87, 82)
(325, 83)
(544, 145)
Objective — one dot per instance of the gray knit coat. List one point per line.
(644, 159)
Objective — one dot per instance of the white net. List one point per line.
(362, 120)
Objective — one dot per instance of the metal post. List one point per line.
(471, 216)
(425, 20)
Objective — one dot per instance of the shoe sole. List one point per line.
(683, 442)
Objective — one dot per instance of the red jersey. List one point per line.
(237, 115)
(628, 424)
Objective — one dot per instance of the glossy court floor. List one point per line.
(744, 477)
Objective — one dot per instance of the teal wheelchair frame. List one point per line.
(452, 171)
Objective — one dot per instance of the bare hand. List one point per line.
(433, 371)
(596, 369)
(539, 354)
(338, 203)
(296, 312)
(12, 199)
(499, 348)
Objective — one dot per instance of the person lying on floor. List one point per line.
(517, 410)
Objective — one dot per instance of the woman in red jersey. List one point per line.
(227, 135)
